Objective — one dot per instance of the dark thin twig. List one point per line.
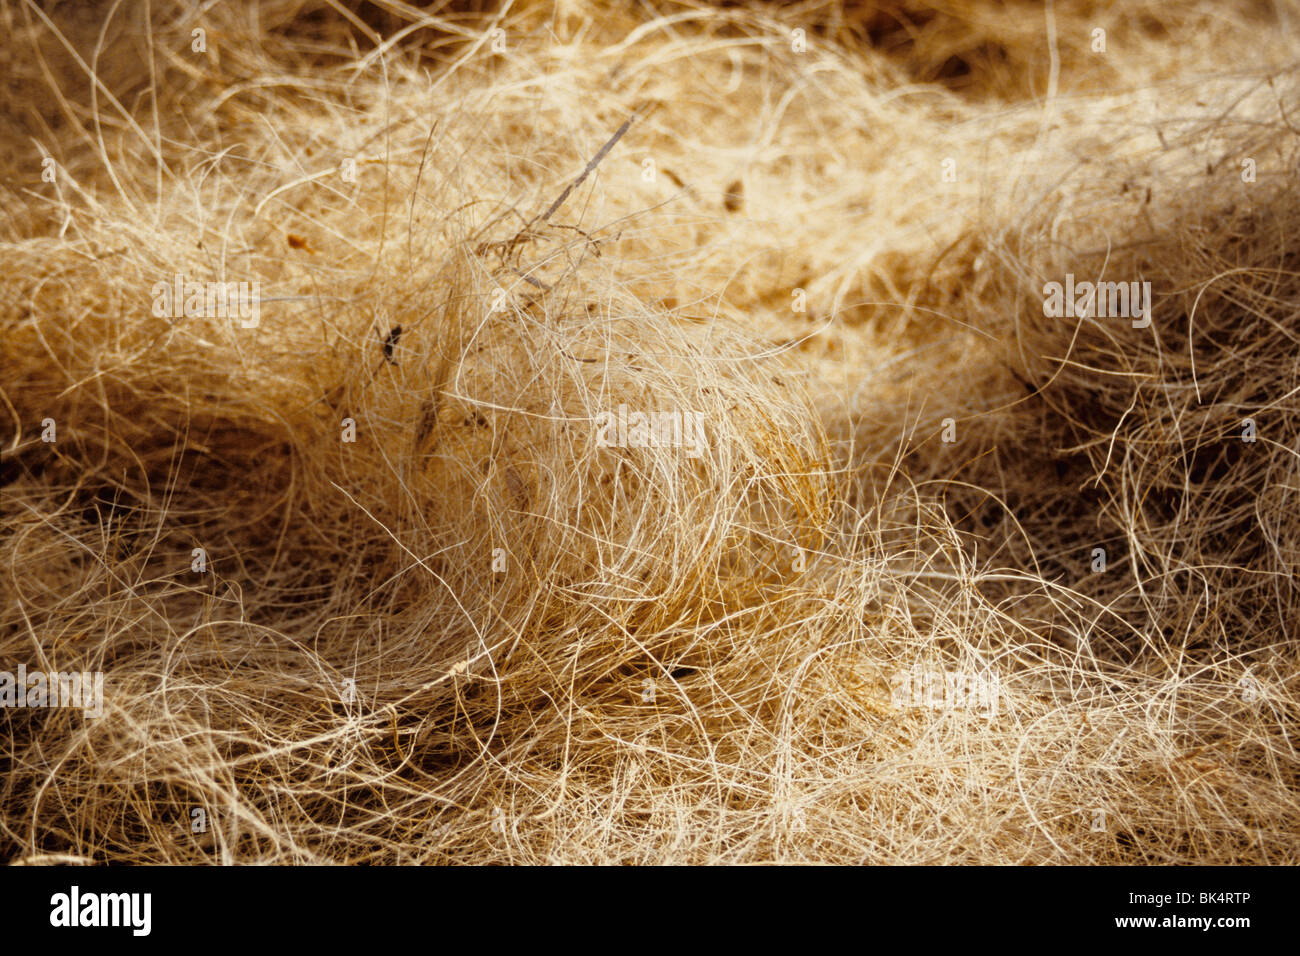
(595, 161)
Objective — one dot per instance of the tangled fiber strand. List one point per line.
(475, 633)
